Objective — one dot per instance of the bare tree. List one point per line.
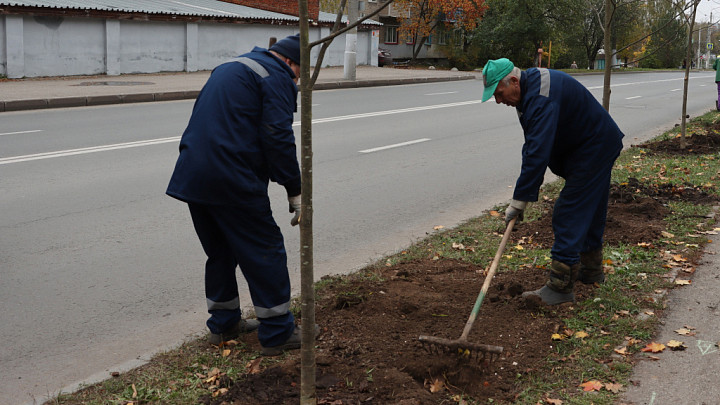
(307, 282)
(688, 58)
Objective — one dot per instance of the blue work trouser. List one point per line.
(247, 236)
(580, 212)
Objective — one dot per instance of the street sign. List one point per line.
(710, 46)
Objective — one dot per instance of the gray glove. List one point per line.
(295, 207)
(515, 209)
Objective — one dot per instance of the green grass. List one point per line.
(621, 314)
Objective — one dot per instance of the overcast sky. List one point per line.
(705, 8)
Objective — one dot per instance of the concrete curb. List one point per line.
(86, 101)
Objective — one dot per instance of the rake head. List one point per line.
(461, 348)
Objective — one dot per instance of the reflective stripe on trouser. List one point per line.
(579, 215)
(247, 236)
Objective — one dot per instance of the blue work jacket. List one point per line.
(240, 134)
(565, 129)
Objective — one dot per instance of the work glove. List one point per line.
(295, 207)
(515, 210)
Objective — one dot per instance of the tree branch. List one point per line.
(326, 45)
(349, 27)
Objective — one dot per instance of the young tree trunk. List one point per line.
(608, 53)
(307, 290)
(688, 57)
(308, 368)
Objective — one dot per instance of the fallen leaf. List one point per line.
(615, 388)
(459, 246)
(684, 332)
(581, 335)
(554, 401)
(495, 214)
(210, 380)
(557, 336)
(518, 247)
(667, 234)
(226, 352)
(592, 385)
(682, 282)
(254, 366)
(134, 394)
(622, 351)
(653, 347)
(679, 258)
(435, 386)
(438, 227)
(676, 345)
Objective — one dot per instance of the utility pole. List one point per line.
(349, 72)
(707, 41)
(698, 49)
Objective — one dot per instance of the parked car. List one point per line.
(384, 57)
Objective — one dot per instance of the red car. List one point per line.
(384, 57)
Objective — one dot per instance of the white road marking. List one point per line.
(21, 132)
(676, 90)
(93, 149)
(397, 145)
(388, 112)
(633, 97)
(445, 92)
(82, 151)
(647, 82)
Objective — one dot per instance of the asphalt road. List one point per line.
(99, 269)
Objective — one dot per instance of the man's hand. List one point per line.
(295, 207)
(515, 209)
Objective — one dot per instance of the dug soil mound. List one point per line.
(369, 352)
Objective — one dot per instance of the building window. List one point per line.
(428, 40)
(391, 35)
(443, 38)
(409, 38)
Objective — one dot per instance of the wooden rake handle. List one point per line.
(488, 278)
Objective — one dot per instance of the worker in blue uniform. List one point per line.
(568, 131)
(239, 138)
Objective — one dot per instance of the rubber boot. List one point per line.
(559, 288)
(591, 268)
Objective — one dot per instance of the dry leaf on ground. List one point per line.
(676, 345)
(592, 385)
(654, 347)
(612, 387)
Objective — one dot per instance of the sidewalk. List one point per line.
(76, 91)
(690, 376)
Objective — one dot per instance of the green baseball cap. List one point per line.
(493, 72)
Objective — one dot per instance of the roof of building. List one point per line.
(330, 17)
(204, 8)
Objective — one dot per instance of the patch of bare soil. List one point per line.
(695, 144)
(369, 353)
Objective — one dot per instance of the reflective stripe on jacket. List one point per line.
(240, 135)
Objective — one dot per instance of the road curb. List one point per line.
(86, 101)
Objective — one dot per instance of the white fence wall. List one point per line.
(60, 46)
